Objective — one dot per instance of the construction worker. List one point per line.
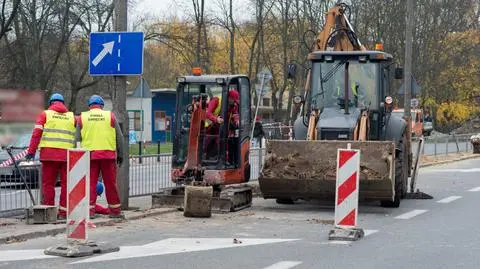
(214, 120)
(355, 89)
(54, 134)
(258, 132)
(100, 133)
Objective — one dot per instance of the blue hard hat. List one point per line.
(56, 97)
(99, 188)
(96, 100)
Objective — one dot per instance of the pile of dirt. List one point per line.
(294, 166)
(469, 127)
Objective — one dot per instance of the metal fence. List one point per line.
(14, 197)
(151, 173)
(442, 145)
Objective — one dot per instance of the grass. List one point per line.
(150, 149)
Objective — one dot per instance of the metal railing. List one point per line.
(151, 173)
(14, 197)
(443, 145)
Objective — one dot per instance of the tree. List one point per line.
(8, 13)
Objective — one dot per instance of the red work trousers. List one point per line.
(50, 171)
(108, 167)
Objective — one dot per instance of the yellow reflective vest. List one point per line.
(58, 130)
(216, 112)
(97, 131)
(352, 86)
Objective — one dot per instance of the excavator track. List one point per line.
(230, 198)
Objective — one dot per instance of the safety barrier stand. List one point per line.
(346, 196)
(78, 210)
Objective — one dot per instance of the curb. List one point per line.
(54, 231)
(449, 161)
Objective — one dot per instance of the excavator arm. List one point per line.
(336, 35)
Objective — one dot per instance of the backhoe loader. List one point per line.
(346, 101)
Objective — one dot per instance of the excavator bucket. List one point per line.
(301, 169)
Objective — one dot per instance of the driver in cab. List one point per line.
(355, 88)
(214, 120)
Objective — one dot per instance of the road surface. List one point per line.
(438, 233)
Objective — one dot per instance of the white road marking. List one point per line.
(411, 214)
(337, 242)
(118, 52)
(180, 245)
(118, 67)
(119, 38)
(457, 170)
(283, 265)
(449, 199)
(370, 232)
(474, 189)
(22, 255)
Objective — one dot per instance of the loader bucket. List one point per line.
(301, 169)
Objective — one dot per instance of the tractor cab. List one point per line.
(201, 144)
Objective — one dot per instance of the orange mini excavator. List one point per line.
(221, 159)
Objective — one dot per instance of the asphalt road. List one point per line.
(438, 233)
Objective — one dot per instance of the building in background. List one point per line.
(139, 107)
(19, 109)
(151, 113)
(163, 114)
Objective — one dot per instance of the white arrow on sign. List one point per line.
(107, 49)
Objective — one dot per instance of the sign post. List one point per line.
(118, 54)
(265, 76)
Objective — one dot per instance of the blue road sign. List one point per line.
(116, 53)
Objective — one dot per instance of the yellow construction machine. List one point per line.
(346, 101)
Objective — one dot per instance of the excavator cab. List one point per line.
(208, 151)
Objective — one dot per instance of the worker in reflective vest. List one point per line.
(100, 133)
(54, 134)
(214, 120)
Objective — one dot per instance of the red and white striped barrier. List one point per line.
(78, 195)
(16, 157)
(346, 195)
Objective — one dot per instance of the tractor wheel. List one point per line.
(400, 186)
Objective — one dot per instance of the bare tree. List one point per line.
(9, 11)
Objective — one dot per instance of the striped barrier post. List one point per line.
(78, 210)
(78, 195)
(346, 196)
